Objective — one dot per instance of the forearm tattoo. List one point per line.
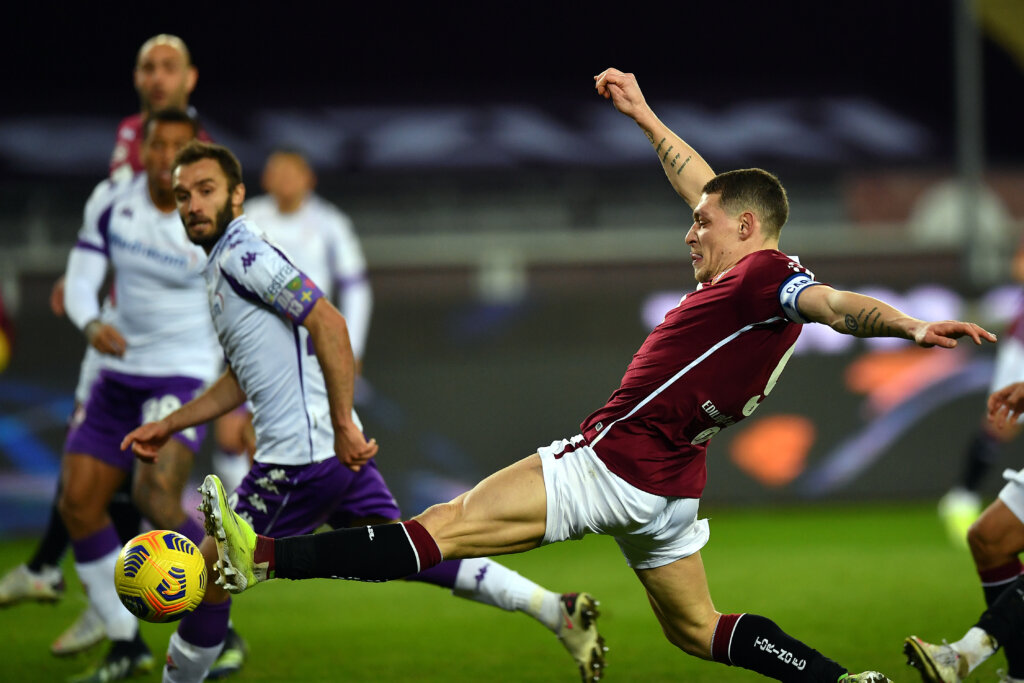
(682, 165)
(664, 157)
(868, 324)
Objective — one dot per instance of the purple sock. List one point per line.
(442, 575)
(96, 545)
(192, 530)
(206, 625)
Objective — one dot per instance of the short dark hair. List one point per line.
(752, 189)
(228, 162)
(168, 116)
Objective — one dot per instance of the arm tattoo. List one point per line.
(683, 165)
(658, 149)
(667, 152)
(873, 327)
(650, 138)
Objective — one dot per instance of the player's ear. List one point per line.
(238, 196)
(748, 221)
(190, 79)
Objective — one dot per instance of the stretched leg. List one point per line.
(158, 487)
(678, 593)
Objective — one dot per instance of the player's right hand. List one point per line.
(352, 448)
(1006, 405)
(105, 338)
(624, 92)
(147, 440)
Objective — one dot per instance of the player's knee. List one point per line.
(72, 510)
(985, 542)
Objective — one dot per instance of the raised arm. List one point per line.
(864, 316)
(685, 169)
(221, 397)
(329, 332)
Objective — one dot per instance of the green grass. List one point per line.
(852, 581)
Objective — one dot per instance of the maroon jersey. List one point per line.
(126, 157)
(708, 365)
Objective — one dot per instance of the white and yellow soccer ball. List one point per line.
(160, 576)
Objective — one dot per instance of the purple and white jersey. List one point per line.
(160, 304)
(258, 300)
(319, 239)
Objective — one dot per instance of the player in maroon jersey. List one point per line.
(637, 468)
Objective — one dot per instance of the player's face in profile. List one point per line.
(163, 78)
(709, 238)
(288, 179)
(163, 141)
(204, 203)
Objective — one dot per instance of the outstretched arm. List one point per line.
(221, 397)
(685, 169)
(864, 316)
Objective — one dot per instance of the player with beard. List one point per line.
(157, 350)
(306, 471)
(636, 470)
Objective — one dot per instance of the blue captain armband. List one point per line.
(790, 291)
(296, 299)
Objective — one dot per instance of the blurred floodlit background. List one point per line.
(520, 234)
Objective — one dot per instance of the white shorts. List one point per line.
(1009, 366)
(1012, 494)
(584, 497)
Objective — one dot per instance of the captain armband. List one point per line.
(790, 291)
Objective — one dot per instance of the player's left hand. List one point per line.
(352, 448)
(147, 440)
(946, 332)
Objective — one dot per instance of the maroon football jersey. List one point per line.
(708, 365)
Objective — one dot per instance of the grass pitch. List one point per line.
(851, 581)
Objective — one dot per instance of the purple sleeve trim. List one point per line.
(345, 282)
(90, 247)
(297, 298)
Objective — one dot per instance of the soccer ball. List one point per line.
(160, 576)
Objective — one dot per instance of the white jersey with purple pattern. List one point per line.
(160, 307)
(320, 239)
(258, 300)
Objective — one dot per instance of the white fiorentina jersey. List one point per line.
(320, 239)
(258, 300)
(158, 290)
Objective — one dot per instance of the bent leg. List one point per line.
(158, 487)
(996, 537)
(679, 595)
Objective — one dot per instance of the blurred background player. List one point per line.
(961, 505)
(320, 239)
(996, 540)
(306, 471)
(164, 77)
(158, 350)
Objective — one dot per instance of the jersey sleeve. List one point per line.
(348, 272)
(777, 281)
(263, 273)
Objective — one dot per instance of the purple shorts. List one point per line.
(287, 500)
(118, 403)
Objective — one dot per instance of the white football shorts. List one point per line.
(1012, 494)
(584, 497)
(1009, 366)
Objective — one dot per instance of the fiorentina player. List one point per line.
(289, 355)
(164, 77)
(636, 470)
(157, 350)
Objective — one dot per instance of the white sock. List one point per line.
(98, 578)
(976, 646)
(231, 468)
(187, 662)
(484, 580)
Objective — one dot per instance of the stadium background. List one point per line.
(522, 239)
